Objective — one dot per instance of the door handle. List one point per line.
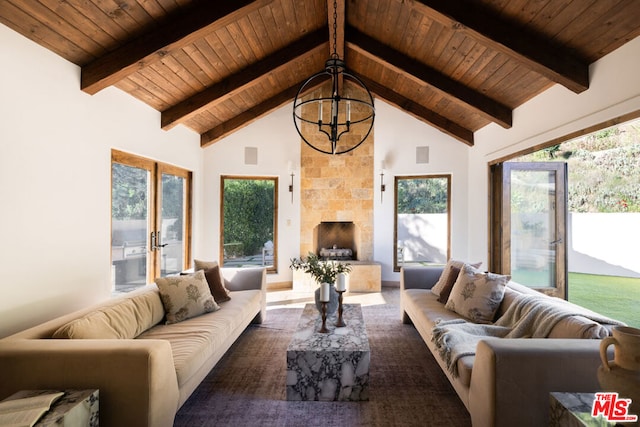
(155, 241)
(160, 245)
(555, 242)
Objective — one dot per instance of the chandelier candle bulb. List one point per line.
(348, 111)
(320, 112)
(341, 284)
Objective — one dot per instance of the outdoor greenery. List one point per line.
(616, 297)
(129, 192)
(129, 201)
(615, 151)
(248, 213)
(422, 195)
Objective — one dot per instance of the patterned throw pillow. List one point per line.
(446, 276)
(477, 295)
(184, 297)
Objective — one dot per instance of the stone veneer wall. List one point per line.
(337, 188)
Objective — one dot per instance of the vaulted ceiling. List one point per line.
(216, 66)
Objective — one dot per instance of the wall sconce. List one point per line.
(382, 186)
(292, 174)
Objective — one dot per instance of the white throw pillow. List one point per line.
(447, 271)
(184, 297)
(477, 295)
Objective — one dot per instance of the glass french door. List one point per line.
(529, 212)
(150, 220)
(171, 233)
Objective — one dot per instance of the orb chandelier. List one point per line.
(323, 114)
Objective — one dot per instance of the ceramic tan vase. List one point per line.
(622, 374)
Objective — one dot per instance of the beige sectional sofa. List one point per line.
(147, 369)
(508, 380)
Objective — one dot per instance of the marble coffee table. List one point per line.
(329, 366)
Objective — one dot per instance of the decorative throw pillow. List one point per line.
(216, 285)
(203, 265)
(446, 289)
(184, 297)
(447, 271)
(477, 295)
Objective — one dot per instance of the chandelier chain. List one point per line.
(335, 30)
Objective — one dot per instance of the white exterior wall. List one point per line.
(604, 243)
(55, 180)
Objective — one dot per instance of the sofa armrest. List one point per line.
(419, 277)
(136, 378)
(244, 279)
(512, 378)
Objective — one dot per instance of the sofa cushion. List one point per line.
(196, 340)
(199, 264)
(477, 295)
(216, 284)
(127, 318)
(447, 273)
(185, 297)
(578, 327)
(446, 289)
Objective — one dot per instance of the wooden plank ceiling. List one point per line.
(215, 66)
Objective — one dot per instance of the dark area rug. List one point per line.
(247, 387)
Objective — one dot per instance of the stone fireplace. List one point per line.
(336, 208)
(337, 189)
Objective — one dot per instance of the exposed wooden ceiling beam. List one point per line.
(247, 117)
(420, 73)
(556, 63)
(244, 79)
(434, 119)
(204, 17)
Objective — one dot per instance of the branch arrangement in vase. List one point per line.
(321, 271)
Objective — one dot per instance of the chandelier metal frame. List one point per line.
(338, 125)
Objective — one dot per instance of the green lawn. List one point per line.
(616, 297)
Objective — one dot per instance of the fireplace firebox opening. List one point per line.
(336, 240)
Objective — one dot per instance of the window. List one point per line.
(249, 213)
(422, 220)
(150, 220)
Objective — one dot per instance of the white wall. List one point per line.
(614, 90)
(394, 129)
(55, 169)
(278, 144)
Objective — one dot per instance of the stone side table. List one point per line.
(329, 366)
(78, 408)
(574, 410)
